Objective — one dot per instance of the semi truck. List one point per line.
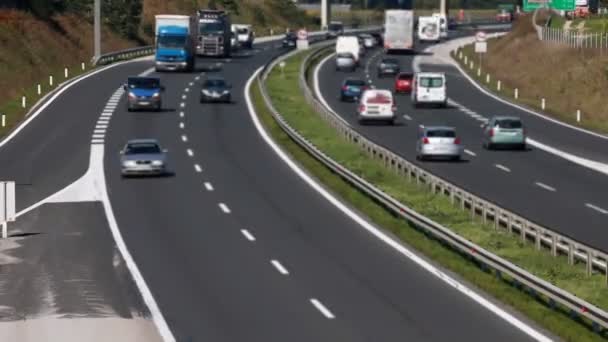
(214, 33)
(399, 31)
(175, 43)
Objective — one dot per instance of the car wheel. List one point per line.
(522, 147)
(456, 158)
(129, 109)
(361, 122)
(159, 107)
(489, 146)
(229, 99)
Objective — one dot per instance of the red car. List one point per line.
(403, 82)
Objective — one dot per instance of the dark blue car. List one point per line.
(144, 93)
(352, 89)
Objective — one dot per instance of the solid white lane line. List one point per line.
(181, 114)
(181, 125)
(190, 153)
(596, 208)
(184, 138)
(322, 308)
(208, 186)
(502, 167)
(248, 235)
(471, 153)
(198, 168)
(279, 267)
(545, 186)
(224, 208)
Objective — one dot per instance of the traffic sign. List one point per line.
(560, 5)
(481, 36)
(481, 47)
(302, 34)
(7, 205)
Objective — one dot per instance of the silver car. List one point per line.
(438, 142)
(143, 157)
(345, 61)
(368, 41)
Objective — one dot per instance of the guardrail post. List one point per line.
(498, 85)
(570, 253)
(554, 245)
(472, 65)
(82, 66)
(65, 72)
(479, 72)
(537, 240)
(452, 196)
(510, 224)
(484, 213)
(39, 89)
(51, 81)
(466, 60)
(487, 78)
(589, 262)
(578, 115)
(523, 226)
(462, 202)
(472, 209)
(497, 214)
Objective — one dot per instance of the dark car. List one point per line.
(215, 89)
(388, 66)
(290, 39)
(379, 38)
(143, 93)
(352, 89)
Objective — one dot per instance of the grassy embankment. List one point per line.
(290, 102)
(569, 79)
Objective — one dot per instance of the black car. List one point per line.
(379, 38)
(215, 89)
(290, 39)
(388, 66)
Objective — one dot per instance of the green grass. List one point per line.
(557, 22)
(289, 101)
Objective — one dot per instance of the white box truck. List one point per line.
(428, 29)
(399, 31)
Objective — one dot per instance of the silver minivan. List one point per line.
(345, 61)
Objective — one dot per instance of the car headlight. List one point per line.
(225, 92)
(206, 92)
(157, 162)
(156, 95)
(131, 95)
(128, 163)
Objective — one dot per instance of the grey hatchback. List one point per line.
(143, 157)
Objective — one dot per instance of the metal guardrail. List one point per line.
(538, 288)
(123, 55)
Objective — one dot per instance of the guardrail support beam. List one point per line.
(97, 30)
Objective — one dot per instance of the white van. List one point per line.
(429, 88)
(428, 29)
(443, 25)
(377, 105)
(349, 44)
(244, 35)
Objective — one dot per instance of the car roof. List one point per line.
(142, 141)
(143, 78)
(438, 128)
(506, 117)
(431, 74)
(377, 91)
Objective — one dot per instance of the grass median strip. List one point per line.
(289, 101)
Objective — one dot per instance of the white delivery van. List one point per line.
(428, 29)
(349, 44)
(443, 24)
(377, 105)
(244, 35)
(429, 88)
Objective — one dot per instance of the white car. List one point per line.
(429, 89)
(377, 105)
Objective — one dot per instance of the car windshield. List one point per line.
(441, 133)
(357, 83)
(509, 123)
(431, 82)
(142, 148)
(405, 76)
(171, 42)
(290, 35)
(242, 31)
(211, 27)
(215, 83)
(144, 83)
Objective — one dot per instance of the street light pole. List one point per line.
(97, 29)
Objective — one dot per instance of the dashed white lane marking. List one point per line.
(101, 126)
(99, 131)
(181, 114)
(545, 186)
(596, 208)
(197, 78)
(98, 136)
(184, 97)
(182, 105)
(208, 186)
(97, 141)
(190, 152)
(248, 235)
(181, 125)
(191, 83)
(469, 152)
(325, 311)
(224, 208)
(198, 168)
(502, 167)
(407, 117)
(184, 138)
(279, 267)
(106, 114)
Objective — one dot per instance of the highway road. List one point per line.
(234, 246)
(540, 186)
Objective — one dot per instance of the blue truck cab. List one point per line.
(175, 43)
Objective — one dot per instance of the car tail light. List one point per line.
(425, 140)
(361, 108)
(457, 141)
(492, 132)
(345, 88)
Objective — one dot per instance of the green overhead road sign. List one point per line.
(560, 5)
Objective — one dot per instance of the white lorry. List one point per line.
(428, 29)
(443, 24)
(399, 31)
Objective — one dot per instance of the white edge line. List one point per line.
(325, 311)
(279, 267)
(318, 89)
(248, 235)
(381, 235)
(596, 208)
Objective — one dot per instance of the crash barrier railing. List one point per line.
(570, 38)
(538, 288)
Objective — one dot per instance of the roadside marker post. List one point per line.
(23, 102)
(65, 72)
(3, 120)
(7, 206)
(578, 118)
(542, 103)
(39, 89)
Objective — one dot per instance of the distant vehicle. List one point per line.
(377, 105)
(369, 42)
(335, 29)
(438, 142)
(428, 29)
(429, 88)
(362, 48)
(399, 31)
(215, 89)
(345, 61)
(504, 131)
(143, 93)
(234, 43)
(349, 44)
(175, 43)
(244, 35)
(143, 157)
(214, 33)
(403, 82)
(352, 89)
(388, 66)
(290, 39)
(378, 37)
(505, 12)
(443, 24)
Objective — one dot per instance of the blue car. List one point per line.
(144, 93)
(352, 89)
